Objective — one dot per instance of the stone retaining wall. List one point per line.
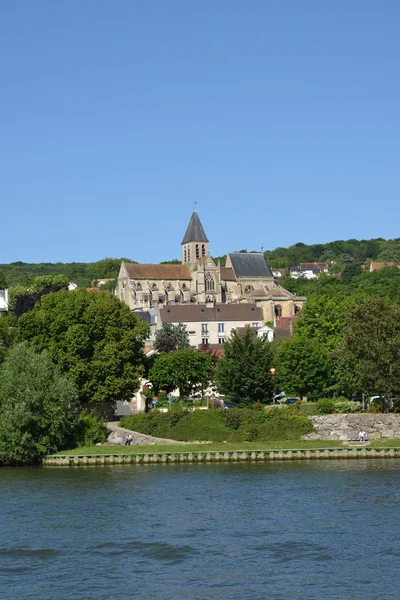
(346, 427)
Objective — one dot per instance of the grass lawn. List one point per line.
(284, 445)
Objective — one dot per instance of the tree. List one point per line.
(93, 338)
(8, 334)
(369, 352)
(171, 337)
(3, 281)
(38, 407)
(45, 281)
(304, 367)
(243, 375)
(185, 370)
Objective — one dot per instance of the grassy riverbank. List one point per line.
(215, 447)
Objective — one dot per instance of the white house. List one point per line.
(4, 300)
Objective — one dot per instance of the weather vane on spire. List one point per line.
(194, 205)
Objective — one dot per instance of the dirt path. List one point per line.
(118, 436)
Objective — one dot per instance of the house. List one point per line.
(279, 272)
(4, 300)
(377, 266)
(309, 270)
(245, 278)
(209, 325)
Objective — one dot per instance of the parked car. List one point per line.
(291, 400)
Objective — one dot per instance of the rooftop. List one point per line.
(194, 231)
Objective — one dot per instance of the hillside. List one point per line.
(342, 252)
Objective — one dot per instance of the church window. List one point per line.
(210, 284)
(184, 287)
(278, 310)
(188, 253)
(154, 288)
(170, 288)
(203, 250)
(248, 288)
(197, 251)
(184, 255)
(139, 287)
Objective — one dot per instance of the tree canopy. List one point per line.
(38, 407)
(171, 337)
(93, 338)
(243, 375)
(186, 370)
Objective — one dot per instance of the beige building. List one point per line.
(246, 278)
(211, 325)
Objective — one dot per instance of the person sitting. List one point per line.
(361, 435)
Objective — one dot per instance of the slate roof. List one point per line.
(250, 264)
(140, 271)
(187, 313)
(195, 231)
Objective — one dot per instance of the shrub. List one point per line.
(325, 406)
(258, 406)
(347, 406)
(89, 431)
(375, 407)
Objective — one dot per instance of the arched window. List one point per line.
(184, 287)
(203, 250)
(210, 284)
(154, 288)
(197, 251)
(296, 309)
(248, 288)
(278, 310)
(188, 253)
(184, 255)
(139, 287)
(170, 287)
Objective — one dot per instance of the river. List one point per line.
(275, 531)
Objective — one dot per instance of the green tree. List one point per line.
(44, 281)
(3, 280)
(8, 334)
(186, 370)
(369, 352)
(171, 337)
(38, 407)
(243, 375)
(93, 338)
(304, 367)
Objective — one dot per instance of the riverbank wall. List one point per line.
(345, 427)
(69, 460)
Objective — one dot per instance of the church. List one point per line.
(245, 278)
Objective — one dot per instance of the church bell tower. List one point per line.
(195, 242)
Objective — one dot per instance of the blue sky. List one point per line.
(280, 118)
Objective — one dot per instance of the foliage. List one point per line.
(243, 375)
(89, 430)
(370, 349)
(3, 280)
(347, 406)
(45, 281)
(171, 337)
(325, 406)
(37, 407)
(303, 366)
(185, 370)
(93, 338)
(219, 425)
(8, 334)
(20, 273)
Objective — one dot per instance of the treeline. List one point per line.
(20, 273)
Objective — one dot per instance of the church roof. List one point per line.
(138, 271)
(250, 264)
(195, 231)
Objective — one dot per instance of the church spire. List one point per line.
(194, 231)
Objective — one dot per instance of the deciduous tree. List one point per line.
(186, 370)
(171, 337)
(93, 338)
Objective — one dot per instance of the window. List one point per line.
(253, 309)
(191, 332)
(139, 287)
(248, 288)
(154, 288)
(197, 251)
(184, 255)
(188, 253)
(221, 340)
(221, 327)
(210, 284)
(204, 329)
(204, 341)
(278, 310)
(203, 250)
(254, 324)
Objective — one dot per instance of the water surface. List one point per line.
(298, 530)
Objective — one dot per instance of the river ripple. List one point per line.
(298, 530)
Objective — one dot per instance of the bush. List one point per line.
(89, 431)
(375, 407)
(217, 425)
(325, 406)
(347, 406)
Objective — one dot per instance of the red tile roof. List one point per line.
(140, 271)
(377, 266)
(186, 313)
